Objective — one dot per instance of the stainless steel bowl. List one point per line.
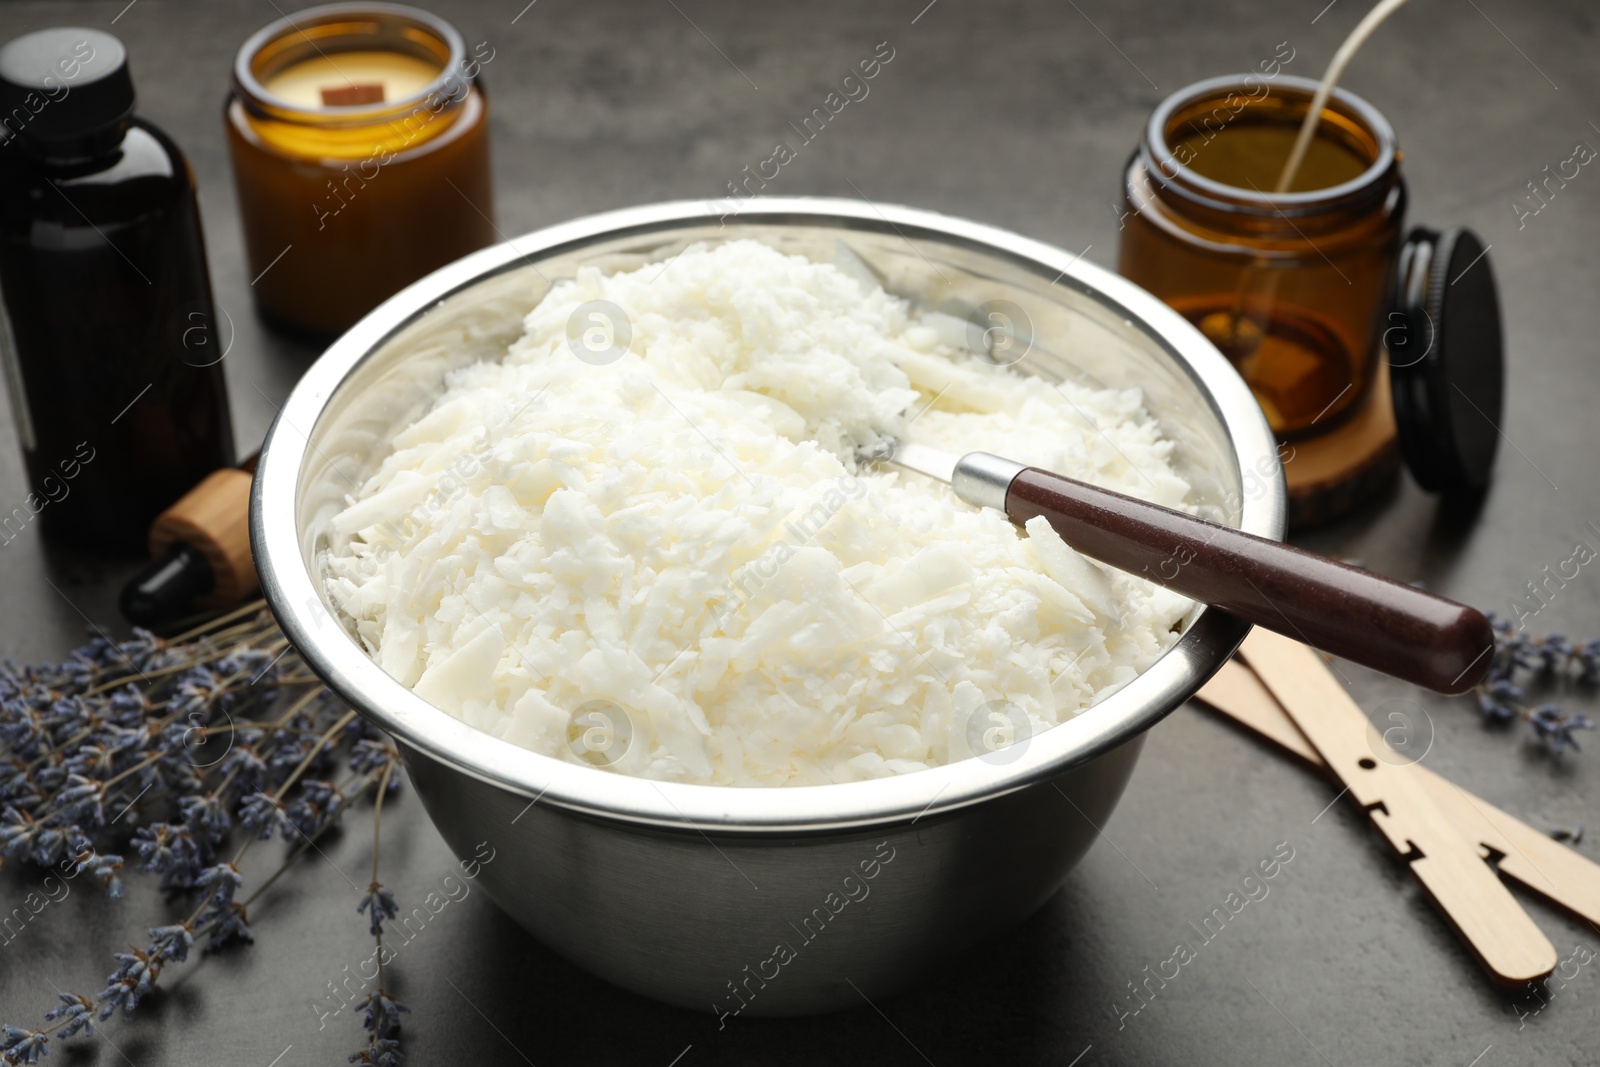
(770, 901)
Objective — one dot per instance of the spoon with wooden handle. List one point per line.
(1343, 610)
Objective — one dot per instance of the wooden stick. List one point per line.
(1527, 855)
(1511, 948)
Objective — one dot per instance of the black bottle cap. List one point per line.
(63, 84)
(1446, 360)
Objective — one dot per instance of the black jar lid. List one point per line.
(1446, 360)
(64, 83)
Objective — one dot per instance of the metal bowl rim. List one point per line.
(335, 656)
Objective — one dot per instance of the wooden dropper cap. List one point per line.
(214, 519)
(201, 549)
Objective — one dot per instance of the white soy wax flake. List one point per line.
(642, 541)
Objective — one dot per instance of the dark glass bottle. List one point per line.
(107, 330)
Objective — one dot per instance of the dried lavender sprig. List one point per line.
(110, 728)
(380, 1011)
(218, 916)
(1500, 697)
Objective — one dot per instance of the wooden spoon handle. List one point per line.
(1343, 610)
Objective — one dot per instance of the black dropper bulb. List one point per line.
(167, 588)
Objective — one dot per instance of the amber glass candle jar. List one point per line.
(359, 136)
(1291, 287)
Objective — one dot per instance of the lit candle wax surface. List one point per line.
(308, 82)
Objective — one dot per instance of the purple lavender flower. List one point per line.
(253, 665)
(104, 867)
(67, 718)
(50, 777)
(381, 1052)
(381, 1014)
(68, 730)
(309, 813)
(171, 942)
(22, 729)
(22, 1046)
(245, 768)
(1555, 651)
(121, 993)
(13, 779)
(170, 851)
(137, 965)
(127, 707)
(154, 844)
(78, 1012)
(223, 881)
(369, 755)
(17, 830)
(1498, 701)
(83, 800)
(359, 729)
(291, 751)
(1522, 652)
(206, 815)
(145, 651)
(1587, 656)
(121, 739)
(227, 921)
(89, 760)
(23, 837)
(381, 904)
(260, 813)
(77, 674)
(175, 774)
(50, 840)
(135, 976)
(1500, 698)
(192, 692)
(1555, 727)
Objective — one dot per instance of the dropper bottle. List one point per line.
(108, 334)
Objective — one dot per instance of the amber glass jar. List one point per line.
(1292, 286)
(359, 136)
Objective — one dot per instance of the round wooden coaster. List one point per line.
(1331, 474)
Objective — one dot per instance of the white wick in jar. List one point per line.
(1341, 59)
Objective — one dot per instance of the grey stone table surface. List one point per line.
(1020, 115)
